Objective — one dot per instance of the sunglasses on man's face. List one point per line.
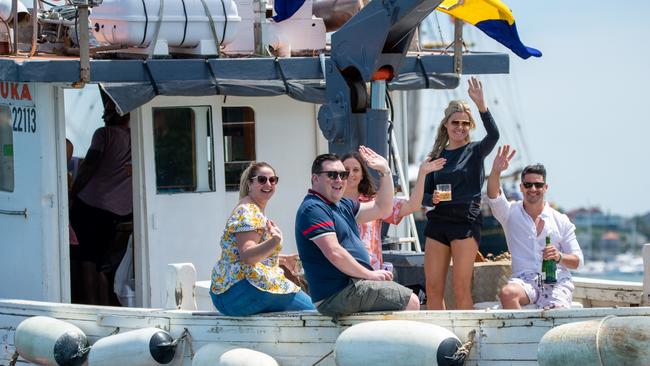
(465, 124)
(333, 174)
(538, 185)
(261, 179)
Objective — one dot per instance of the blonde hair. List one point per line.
(442, 137)
(248, 173)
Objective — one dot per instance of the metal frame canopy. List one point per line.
(132, 83)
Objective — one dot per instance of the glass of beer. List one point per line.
(444, 191)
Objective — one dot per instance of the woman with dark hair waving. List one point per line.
(453, 228)
(248, 279)
(362, 188)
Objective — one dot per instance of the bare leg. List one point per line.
(414, 303)
(463, 253)
(89, 283)
(436, 265)
(512, 296)
(103, 289)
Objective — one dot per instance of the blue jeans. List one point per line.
(243, 299)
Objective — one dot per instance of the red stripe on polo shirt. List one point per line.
(316, 226)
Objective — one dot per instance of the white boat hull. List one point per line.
(501, 337)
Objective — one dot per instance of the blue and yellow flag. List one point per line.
(492, 17)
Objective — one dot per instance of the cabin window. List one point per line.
(6, 150)
(183, 149)
(238, 142)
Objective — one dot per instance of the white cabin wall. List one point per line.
(288, 138)
(54, 181)
(61, 171)
(186, 227)
(172, 228)
(30, 266)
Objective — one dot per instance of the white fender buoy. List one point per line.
(608, 342)
(215, 354)
(142, 347)
(392, 342)
(52, 342)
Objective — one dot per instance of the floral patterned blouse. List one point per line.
(265, 275)
(370, 232)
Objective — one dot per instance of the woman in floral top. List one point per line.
(248, 279)
(360, 187)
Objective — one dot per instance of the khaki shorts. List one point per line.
(364, 295)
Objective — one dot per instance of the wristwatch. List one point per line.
(560, 259)
(381, 174)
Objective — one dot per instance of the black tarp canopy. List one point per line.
(132, 83)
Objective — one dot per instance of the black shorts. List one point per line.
(96, 230)
(445, 231)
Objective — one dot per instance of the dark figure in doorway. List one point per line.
(102, 198)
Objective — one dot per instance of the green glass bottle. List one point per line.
(549, 267)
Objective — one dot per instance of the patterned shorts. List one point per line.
(557, 295)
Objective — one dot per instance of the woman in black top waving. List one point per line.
(454, 225)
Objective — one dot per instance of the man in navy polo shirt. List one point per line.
(336, 263)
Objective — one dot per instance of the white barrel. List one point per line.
(215, 354)
(184, 22)
(142, 347)
(6, 7)
(611, 341)
(47, 341)
(394, 342)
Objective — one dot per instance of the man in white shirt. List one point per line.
(526, 224)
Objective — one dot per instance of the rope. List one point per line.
(225, 21)
(600, 325)
(463, 351)
(418, 60)
(187, 338)
(146, 23)
(8, 31)
(81, 353)
(185, 25)
(284, 79)
(212, 28)
(158, 24)
(151, 79)
(391, 156)
(322, 358)
(214, 77)
(14, 359)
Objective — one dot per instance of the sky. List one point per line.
(582, 106)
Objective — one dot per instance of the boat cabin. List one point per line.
(187, 151)
(198, 116)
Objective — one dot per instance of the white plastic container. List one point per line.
(397, 342)
(5, 10)
(133, 22)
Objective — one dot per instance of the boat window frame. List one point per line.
(7, 182)
(199, 182)
(232, 175)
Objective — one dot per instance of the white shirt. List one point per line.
(525, 245)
